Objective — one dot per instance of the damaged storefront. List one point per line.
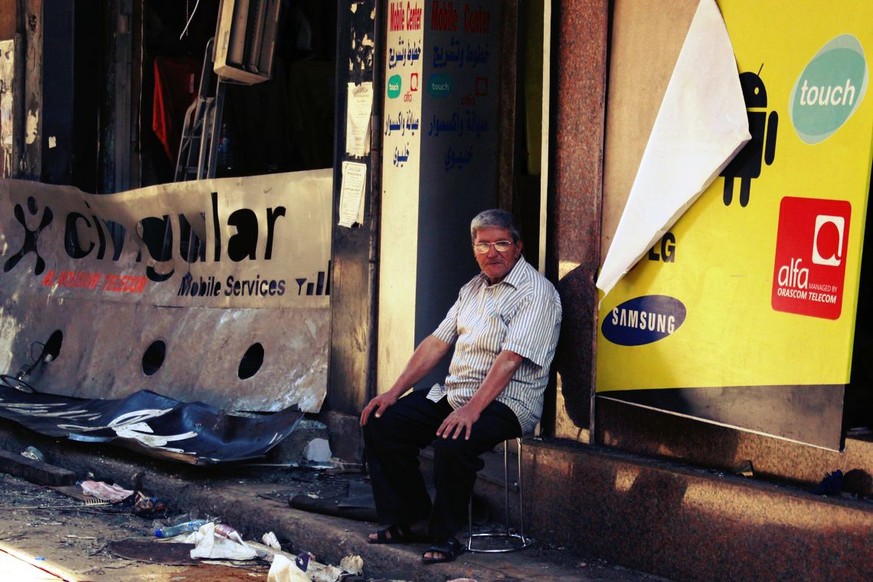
(133, 288)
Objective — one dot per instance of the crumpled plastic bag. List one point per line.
(208, 544)
(353, 564)
(317, 451)
(303, 567)
(284, 570)
(105, 492)
(145, 506)
(271, 541)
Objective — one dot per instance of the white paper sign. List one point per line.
(351, 209)
(359, 107)
(701, 125)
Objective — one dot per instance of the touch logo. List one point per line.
(810, 265)
(829, 90)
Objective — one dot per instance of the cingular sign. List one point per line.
(829, 90)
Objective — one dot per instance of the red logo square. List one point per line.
(810, 266)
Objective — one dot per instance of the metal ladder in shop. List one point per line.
(198, 148)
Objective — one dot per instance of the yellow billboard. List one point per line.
(756, 284)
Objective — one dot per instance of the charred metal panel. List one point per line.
(70, 96)
(354, 249)
(58, 76)
(29, 117)
(110, 350)
(7, 89)
(233, 310)
(122, 92)
(116, 133)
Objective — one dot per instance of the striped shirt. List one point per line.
(522, 313)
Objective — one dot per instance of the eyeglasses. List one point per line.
(501, 246)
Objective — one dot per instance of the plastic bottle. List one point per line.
(225, 152)
(229, 532)
(180, 528)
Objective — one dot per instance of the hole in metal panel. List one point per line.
(153, 358)
(53, 346)
(251, 361)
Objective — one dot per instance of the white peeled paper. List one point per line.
(700, 127)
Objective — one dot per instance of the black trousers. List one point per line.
(392, 444)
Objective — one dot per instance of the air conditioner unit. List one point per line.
(245, 40)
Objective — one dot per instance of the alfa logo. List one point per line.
(30, 236)
(809, 269)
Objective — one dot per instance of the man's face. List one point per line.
(496, 264)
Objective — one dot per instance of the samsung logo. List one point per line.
(643, 320)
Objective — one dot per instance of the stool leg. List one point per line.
(506, 486)
(470, 524)
(520, 494)
(516, 541)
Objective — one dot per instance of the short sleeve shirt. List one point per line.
(522, 313)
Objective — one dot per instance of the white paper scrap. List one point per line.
(359, 107)
(354, 178)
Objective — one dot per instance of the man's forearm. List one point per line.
(501, 372)
(426, 356)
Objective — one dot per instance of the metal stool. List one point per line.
(509, 539)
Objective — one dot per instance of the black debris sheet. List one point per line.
(152, 424)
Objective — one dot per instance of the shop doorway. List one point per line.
(284, 124)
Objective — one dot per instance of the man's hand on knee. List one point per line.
(459, 422)
(379, 404)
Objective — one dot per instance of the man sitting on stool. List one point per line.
(504, 326)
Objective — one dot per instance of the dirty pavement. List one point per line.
(299, 520)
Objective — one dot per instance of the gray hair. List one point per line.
(495, 218)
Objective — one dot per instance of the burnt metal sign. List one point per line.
(215, 291)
